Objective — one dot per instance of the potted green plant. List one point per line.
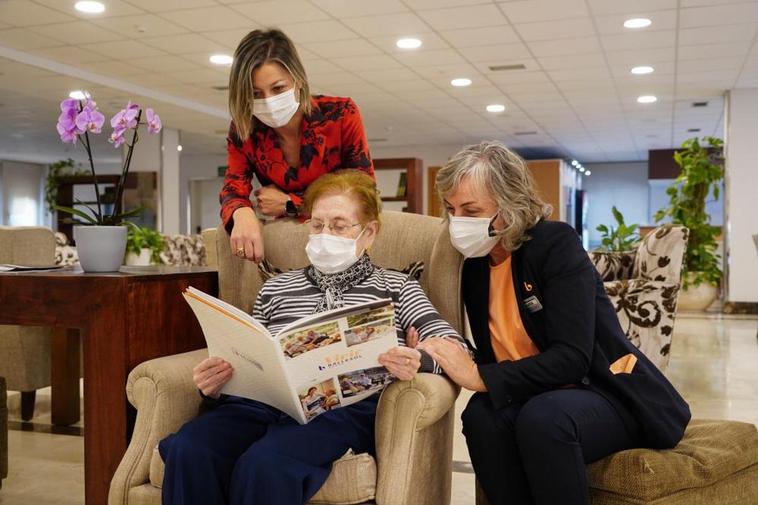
(620, 238)
(702, 172)
(614, 257)
(100, 236)
(143, 246)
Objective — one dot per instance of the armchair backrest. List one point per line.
(661, 253)
(404, 238)
(27, 245)
(183, 250)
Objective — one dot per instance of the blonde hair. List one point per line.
(355, 183)
(496, 170)
(255, 49)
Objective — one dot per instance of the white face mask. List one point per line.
(331, 254)
(470, 235)
(276, 111)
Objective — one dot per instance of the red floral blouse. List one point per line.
(332, 137)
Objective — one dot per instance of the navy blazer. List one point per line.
(568, 316)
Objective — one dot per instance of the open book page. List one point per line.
(258, 362)
(7, 267)
(332, 360)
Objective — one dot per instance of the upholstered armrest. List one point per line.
(414, 440)
(165, 397)
(646, 310)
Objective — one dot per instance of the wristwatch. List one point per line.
(290, 208)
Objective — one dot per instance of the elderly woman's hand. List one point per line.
(211, 374)
(402, 362)
(455, 361)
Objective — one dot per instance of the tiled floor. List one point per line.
(713, 364)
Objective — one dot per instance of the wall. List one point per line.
(741, 208)
(205, 206)
(22, 200)
(624, 185)
(199, 166)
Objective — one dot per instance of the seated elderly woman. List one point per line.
(242, 451)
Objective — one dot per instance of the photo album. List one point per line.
(318, 363)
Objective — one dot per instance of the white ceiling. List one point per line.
(576, 92)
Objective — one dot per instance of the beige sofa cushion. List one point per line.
(353, 479)
(710, 451)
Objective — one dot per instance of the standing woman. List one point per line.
(282, 135)
(557, 382)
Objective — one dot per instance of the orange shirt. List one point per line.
(508, 336)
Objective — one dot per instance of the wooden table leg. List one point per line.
(105, 404)
(64, 376)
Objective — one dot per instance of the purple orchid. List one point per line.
(77, 120)
(126, 118)
(90, 119)
(117, 137)
(153, 121)
(67, 127)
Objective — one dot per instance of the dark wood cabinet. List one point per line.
(413, 196)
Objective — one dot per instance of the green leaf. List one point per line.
(602, 228)
(79, 213)
(94, 212)
(617, 215)
(120, 217)
(678, 156)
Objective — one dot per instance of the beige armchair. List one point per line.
(25, 350)
(3, 432)
(415, 419)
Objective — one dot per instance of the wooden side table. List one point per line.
(124, 318)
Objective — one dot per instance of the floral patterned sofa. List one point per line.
(183, 250)
(643, 286)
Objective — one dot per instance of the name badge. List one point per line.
(533, 304)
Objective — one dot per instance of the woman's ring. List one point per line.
(240, 252)
(407, 361)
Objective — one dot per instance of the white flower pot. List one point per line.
(100, 248)
(139, 260)
(697, 298)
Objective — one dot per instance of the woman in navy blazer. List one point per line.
(558, 384)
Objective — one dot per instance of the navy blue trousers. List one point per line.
(534, 453)
(245, 452)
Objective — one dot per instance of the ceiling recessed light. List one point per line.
(647, 99)
(77, 94)
(581, 169)
(179, 148)
(636, 23)
(587, 173)
(408, 43)
(221, 59)
(495, 107)
(90, 7)
(574, 163)
(461, 82)
(643, 69)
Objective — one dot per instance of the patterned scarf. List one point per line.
(334, 285)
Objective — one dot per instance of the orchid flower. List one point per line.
(153, 121)
(90, 119)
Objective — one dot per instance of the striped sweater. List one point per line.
(290, 296)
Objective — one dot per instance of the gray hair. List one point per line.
(500, 173)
